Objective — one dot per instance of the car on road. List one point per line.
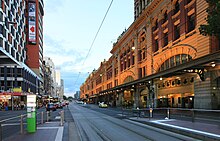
(103, 105)
(51, 106)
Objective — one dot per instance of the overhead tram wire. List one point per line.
(94, 39)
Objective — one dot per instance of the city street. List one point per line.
(94, 125)
(11, 120)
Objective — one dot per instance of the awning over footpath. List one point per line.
(198, 63)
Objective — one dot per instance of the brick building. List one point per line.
(161, 60)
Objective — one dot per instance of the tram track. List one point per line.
(175, 136)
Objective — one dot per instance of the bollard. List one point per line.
(138, 112)
(168, 113)
(61, 118)
(0, 131)
(193, 115)
(22, 125)
(48, 116)
(151, 112)
(42, 117)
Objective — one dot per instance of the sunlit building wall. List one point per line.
(163, 38)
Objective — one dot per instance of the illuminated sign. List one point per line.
(32, 22)
(31, 100)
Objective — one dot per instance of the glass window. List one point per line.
(177, 7)
(167, 64)
(156, 46)
(165, 17)
(162, 67)
(191, 22)
(165, 42)
(177, 59)
(172, 62)
(176, 31)
(184, 58)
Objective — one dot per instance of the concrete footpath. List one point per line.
(53, 131)
(49, 131)
(203, 131)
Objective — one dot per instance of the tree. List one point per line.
(64, 97)
(213, 20)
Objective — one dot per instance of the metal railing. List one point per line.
(209, 116)
(41, 118)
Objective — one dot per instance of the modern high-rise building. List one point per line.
(16, 78)
(34, 42)
(161, 60)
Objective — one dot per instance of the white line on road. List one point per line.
(188, 129)
(59, 135)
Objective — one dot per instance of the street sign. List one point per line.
(31, 113)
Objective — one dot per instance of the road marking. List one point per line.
(59, 136)
(188, 129)
(57, 117)
(162, 120)
(11, 124)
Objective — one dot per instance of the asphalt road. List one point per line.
(97, 124)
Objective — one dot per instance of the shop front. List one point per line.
(12, 101)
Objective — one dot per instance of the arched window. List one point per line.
(174, 61)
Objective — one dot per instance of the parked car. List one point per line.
(103, 105)
(51, 106)
(58, 105)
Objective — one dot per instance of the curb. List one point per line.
(181, 131)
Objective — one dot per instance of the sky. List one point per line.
(70, 27)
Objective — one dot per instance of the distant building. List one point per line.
(49, 77)
(77, 95)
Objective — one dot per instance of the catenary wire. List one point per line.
(94, 39)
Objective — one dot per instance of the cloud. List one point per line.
(53, 5)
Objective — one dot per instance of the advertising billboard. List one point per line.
(32, 22)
